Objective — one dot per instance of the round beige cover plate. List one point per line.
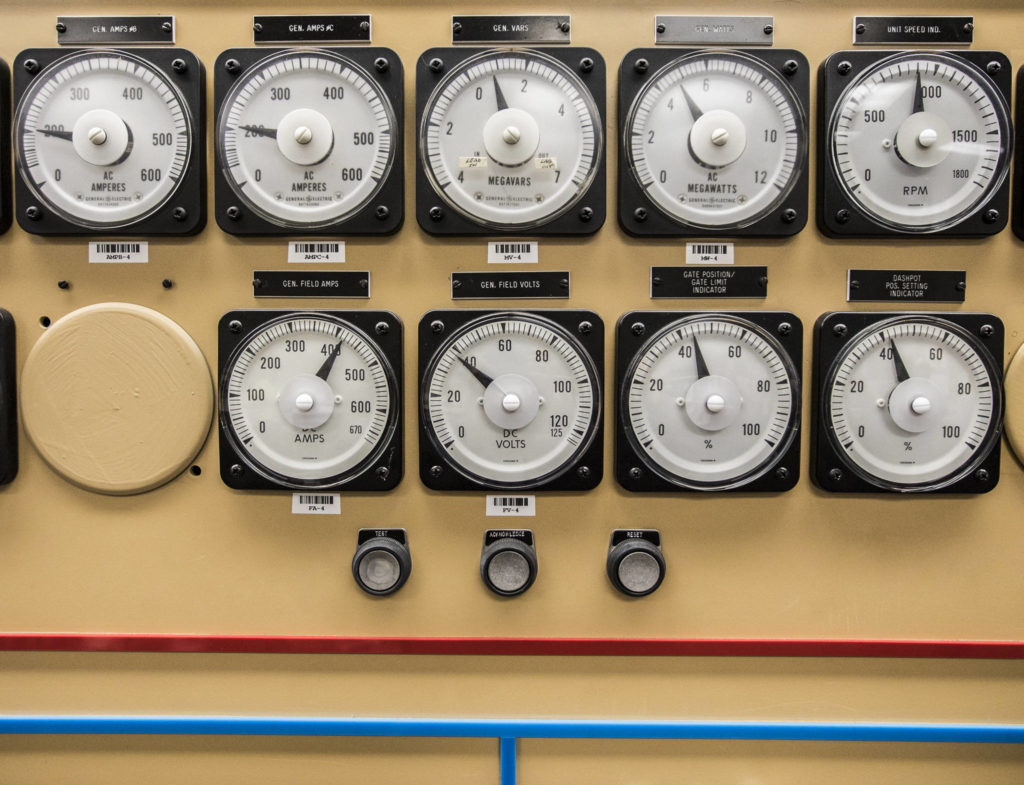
(117, 398)
(1014, 419)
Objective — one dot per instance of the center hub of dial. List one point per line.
(101, 138)
(713, 403)
(305, 137)
(306, 402)
(923, 140)
(511, 137)
(511, 401)
(916, 405)
(717, 138)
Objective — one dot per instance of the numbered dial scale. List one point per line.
(309, 141)
(311, 399)
(908, 402)
(511, 399)
(110, 141)
(713, 142)
(708, 401)
(510, 141)
(915, 143)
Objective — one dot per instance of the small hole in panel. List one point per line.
(44, 321)
(195, 471)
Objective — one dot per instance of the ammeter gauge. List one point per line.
(309, 141)
(310, 399)
(915, 143)
(511, 399)
(713, 142)
(110, 141)
(511, 141)
(908, 402)
(708, 401)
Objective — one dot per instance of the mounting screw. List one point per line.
(987, 330)
(364, 282)
(788, 215)
(32, 66)
(656, 280)
(586, 213)
(257, 27)
(167, 27)
(835, 475)
(167, 283)
(640, 215)
(586, 65)
(981, 475)
(861, 29)
(382, 328)
(381, 64)
(257, 283)
(842, 216)
(232, 66)
(233, 213)
(235, 326)
(583, 472)
(990, 216)
(236, 470)
(961, 286)
(785, 328)
(61, 27)
(638, 328)
(839, 330)
(437, 326)
(564, 27)
(782, 473)
(382, 212)
(435, 213)
(660, 28)
(364, 26)
(383, 472)
(844, 67)
(64, 285)
(641, 65)
(790, 67)
(969, 27)
(436, 65)
(456, 284)
(178, 65)
(436, 471)
(456, 28)
(635, 473)
(33, 213)
(769, 29)
(179, 213)
(585, 328)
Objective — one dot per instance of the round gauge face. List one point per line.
(711, 402)
(511, 139)
(103, 138)
(306, 138)
(511, 400)
(919, 141)
(308, 401)
(913, 403)
(716, 139)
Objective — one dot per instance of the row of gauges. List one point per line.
(511, 141)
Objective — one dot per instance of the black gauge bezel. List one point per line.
(8, 400)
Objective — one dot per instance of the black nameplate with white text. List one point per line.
(312, 28)
(336, 283)
(906, 286)
(88, 30)
(510, 29)
(709, 280)
(513, 286)
(911, 30)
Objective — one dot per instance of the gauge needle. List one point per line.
(695, 111)
(259, 130)
(479, 375)
(918, 96)
(901, 369)
(498, 95)
(66, 135)
(698, 355)
(325, 369)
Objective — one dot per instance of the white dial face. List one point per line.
(716, 139)
(511, 400)
(305, 138)
(511, 138)
(913, 402)
(103, 138)
(308, 400)
(919, 141)
(709, 402)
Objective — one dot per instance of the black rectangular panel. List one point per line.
(549, 284)
(908, 30)
(710, 280)
(315, 28)
(510, 29)
(906, 286)
(115, 30)
(333, 283)
(8, 401)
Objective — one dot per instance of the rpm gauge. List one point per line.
(510, 140)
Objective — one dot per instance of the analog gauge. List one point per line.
(512, 400)
(103, 138)
(716, 140)
(912, 403)
(306, 139)
(511, 139)
(710, 402)
(918, 142)
(308, 400)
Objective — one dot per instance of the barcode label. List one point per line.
(119, 253)
(513, 253)
(316, 253)
(316, 504)
(710, 253)
(512, 506)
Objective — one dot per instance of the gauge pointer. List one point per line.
(479, 375)
(270, 133)
(65, 135)
(918, 95)
(695, 110)
(698, 355)
(499, 96)
(325, 369)
(901, 369)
